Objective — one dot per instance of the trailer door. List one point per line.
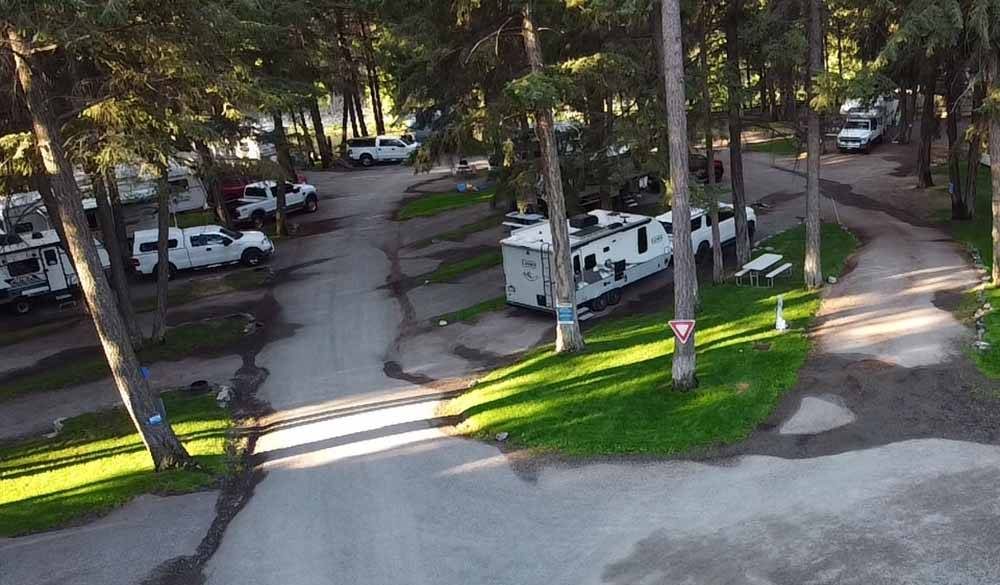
(54, 270)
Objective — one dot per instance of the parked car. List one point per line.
(233, 188)
(200, 247)
(368, 151)
(701, 228)
(697, 165)
(259, 202)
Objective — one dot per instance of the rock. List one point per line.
(987, 307)
(831, 279)
(57, 427)
(471, 384)
(224, 397)
(442, 323)
(981, 345)
(769, 248)
(501, 437)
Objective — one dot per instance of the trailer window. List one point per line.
(22, 267)
(25, 227)
(643, 242)
(590, 261)
(51, 258)
(576, 264)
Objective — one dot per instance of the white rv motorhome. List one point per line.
(609, 249)
(35, 266)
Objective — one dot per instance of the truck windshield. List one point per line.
(258, 192)
(668, 226)
(857, 125)
(231, 233)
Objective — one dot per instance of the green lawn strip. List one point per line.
(196, 218)
(787, 146)
(188, 291)
(182, 341)
(977, 234)
(12, 336)
(435, 203)
(452, 270)
(459, 234)
(615, 397)
(98, 463)
(470, 313)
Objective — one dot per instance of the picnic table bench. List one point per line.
(755, 267)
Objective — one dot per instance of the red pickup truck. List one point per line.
(232, 189)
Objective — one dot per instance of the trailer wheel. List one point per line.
(21, 307)
(599, 304)
(614, 296)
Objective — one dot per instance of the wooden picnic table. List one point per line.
(760, 264)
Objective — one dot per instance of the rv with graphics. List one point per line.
(35, 267)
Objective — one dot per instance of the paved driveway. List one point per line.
(363, 488)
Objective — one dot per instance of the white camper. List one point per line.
(35, 266)
(609, 249)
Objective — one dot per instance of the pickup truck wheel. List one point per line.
(599, 304)
(171, 272)
(312, 206)
(703, 253)
(366, 160)
(21, 307)
(259, 218)
(252, 257)
(614, 296)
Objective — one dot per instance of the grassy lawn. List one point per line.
(182, 341)
(787, 146)
(452, 270)
(180, 293)
(615, 397)
(977, 234)
(13, 336)
(470, 313)
(435, 203)
(459, 234)
(98, 463)
(196, 218)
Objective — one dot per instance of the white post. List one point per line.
(779, 316)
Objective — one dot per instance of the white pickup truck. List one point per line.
(701, 228)
(259, 202)
(368, 151)
(200, 247)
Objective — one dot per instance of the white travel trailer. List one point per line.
(35, 266)
(610, 250)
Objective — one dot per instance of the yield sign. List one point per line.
(683, 328)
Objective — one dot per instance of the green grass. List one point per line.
(459, 234)
(182, 341)
(98, 463)
(471, 313)
(786, 146)
(12, 336)
(977, 234)
(450, 271)
(616, 397)
(436, 203)
(187, 291)
(196, 218)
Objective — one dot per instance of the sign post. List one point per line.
(683, 328)
(565, 315)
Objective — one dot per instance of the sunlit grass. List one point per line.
(616, 397)
(98, 463)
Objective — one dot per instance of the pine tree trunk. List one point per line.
(568, 335)
(285, 161)
(974, 152)
(736, 135)
(42, 183)
(685, 276)
(993, 67)
(306, 136)
(343, 124)
(952, 96)
(119, 275)
(927, 122)
(325, 156)
(351, 101)
(212, 183)
(162, 257)
(712, 197)
(371, 67)
(359, 107)
(813, 262)
(140, 402)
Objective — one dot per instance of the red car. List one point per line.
(233, 188)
